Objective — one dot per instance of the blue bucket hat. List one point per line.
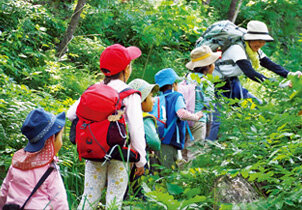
(39, 125)
(166, 77)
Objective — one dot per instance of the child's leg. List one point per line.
(95, 180)
(117, 183)
(199, 133)
(168, 155)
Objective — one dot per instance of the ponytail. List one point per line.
(107, 79)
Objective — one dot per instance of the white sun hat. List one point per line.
(257, 30)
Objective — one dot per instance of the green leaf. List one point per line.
(196, 199)
(174, 189)
(244, 173)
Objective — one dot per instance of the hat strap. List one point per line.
(255, 32)
(44, 131)
(201, 58)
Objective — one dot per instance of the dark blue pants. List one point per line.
(234, 90)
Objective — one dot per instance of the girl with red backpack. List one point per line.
(115, 63)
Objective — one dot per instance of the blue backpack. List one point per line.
(159, 111)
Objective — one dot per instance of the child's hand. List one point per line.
(199, 114)
(139, 171)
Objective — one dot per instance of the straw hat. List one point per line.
(257, 30)
(202, 56)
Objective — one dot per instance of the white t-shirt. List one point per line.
(235, 53)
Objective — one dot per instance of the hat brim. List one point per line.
(150, 89)
(134, 52)
(204, 62)
(166, 77)
(253, 37)
(57, 126)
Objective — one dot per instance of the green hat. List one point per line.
(144, 87)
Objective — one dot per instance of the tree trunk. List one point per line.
(237, 11)
(206, 2)
(234, 10)
(71, 28)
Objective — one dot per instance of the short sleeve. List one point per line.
(180, 103)
(236, 53)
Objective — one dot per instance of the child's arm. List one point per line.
(183, 114)
(4, 188)
(134, 116)
(71, 113)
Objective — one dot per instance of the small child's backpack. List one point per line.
(101, 126)
(221, 35)
(159, 112)
(151, 132)
(188, 91)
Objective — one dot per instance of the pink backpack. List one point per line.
(188, 91)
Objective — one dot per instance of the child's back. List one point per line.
(44, 132)
(173, 137)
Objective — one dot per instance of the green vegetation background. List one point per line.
(261, 144)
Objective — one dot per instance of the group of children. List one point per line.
(44, 133)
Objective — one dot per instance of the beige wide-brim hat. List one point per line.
(144, 87)
(257, 30)
(202, 56)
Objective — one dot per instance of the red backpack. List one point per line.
(101, 123)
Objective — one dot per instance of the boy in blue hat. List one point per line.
(173, 138)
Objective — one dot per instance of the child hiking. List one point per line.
(44, 133)
(201, 64)
(170, 105)
(153, 142)
(147, 90)
(115, 63)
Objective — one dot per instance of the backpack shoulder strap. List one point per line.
(147, 115)
(226, 62)
(40, 182)
(127, 92)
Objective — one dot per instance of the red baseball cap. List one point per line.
(116, 58)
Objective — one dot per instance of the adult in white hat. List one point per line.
(238, 60)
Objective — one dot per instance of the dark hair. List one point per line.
(202, 69)
(107, 79)
(165, 87)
